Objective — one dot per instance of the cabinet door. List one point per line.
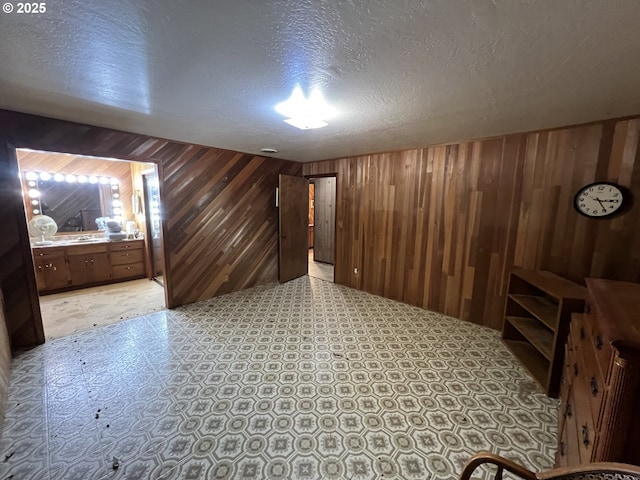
(55, 271)
(79, 272)
(99, 267)
(51, 270)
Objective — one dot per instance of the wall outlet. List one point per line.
(355, 271)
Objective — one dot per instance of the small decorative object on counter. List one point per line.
(114, 230)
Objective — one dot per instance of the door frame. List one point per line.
(167, 287)
(335, 219)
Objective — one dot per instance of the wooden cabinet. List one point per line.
(536, 321)
(51, 269)
(88, 264)
(77, 266)
(127, 259)
(599, 395)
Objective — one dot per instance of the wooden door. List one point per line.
(325, 220)
(293, 216)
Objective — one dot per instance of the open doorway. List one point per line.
(322, 219)
(88, 273)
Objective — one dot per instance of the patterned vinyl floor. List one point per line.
(305, 380)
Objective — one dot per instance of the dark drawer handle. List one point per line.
(575, 369)
(581, 333)
(562, 453)
(594, 386)
(587, 308)
(585, 435)
(569, 411)
(598, 342)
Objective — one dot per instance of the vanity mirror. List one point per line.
(73, 201)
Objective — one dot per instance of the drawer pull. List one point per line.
(598, 342)
(562, 452)
(581, 333)
(569, 411)
(587, 308)
(575, 369)
(585, 435)
(594, 386)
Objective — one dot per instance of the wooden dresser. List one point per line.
(599, 418)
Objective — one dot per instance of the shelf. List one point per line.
(539, 336)
(531, 359)
(540, 307)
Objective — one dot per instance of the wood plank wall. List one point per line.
(441, 227)
(325, 220)
(220, 220)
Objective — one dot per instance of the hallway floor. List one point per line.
(303, 380)
(79, 310)
(323, 271)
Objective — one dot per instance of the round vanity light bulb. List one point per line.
(34, 202)
(93, 179)
(33, 193)
(104, 180)
(45, 176)
(117, 211)
(36, 211)
(58, 177)
(117, 203)
(31, 183)
(82, 179)
(71, 178)
(114, 181)
(31, 176)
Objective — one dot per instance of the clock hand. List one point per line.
(600, 202)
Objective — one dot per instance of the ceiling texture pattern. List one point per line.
(402, 73)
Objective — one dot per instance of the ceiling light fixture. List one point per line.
(269, 150)
(306, 113)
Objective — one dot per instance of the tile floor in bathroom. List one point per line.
(303, 380)
(79, 310)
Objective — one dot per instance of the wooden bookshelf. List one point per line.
(536, 322)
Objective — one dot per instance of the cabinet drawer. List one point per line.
(126, 245)
(86, 249)
(46, 253)
(568, 453)
(583, 420)
(600, 341)
(123, 257)
(124, 271)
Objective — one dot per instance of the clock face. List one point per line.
(599, 199)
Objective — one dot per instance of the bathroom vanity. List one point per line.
(72, 265)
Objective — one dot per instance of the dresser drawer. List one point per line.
(126, 245)
(583, 420)
(599, 340)
(568, 450)
(124, 271)
(123, 257)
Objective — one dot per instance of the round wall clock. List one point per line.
(599, 199)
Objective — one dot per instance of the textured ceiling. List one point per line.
(402, 73)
